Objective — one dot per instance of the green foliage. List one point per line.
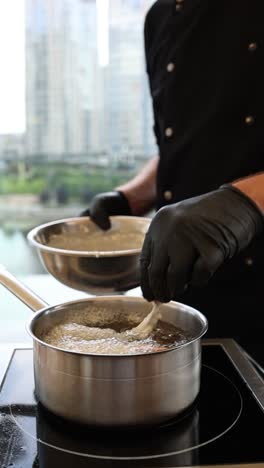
(74, 179)
(14, 185)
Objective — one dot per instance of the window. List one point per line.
(77, 82)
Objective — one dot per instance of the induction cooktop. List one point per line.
(224, 427)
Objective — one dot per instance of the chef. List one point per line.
(205, 244)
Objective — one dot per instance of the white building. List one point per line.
(73, 105)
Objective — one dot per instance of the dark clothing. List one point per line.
(205, 61)
(215, 85)
(234, 310)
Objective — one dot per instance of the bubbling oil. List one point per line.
(73, 336)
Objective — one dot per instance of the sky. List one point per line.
(12, 67)
(102, 7)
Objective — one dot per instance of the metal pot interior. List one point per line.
(107, 311)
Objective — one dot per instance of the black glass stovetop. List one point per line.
(223, 426)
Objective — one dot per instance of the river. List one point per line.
(17, 255)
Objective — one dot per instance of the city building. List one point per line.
(76, 106)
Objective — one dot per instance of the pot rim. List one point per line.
(30, 322)
(31, 236)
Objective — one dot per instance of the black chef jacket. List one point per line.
(205, 62)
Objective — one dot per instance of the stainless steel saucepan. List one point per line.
(112, 390)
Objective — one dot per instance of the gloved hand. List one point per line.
(107, 204)
(187, 242)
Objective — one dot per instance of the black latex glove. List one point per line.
(105, 205)
(187, 242)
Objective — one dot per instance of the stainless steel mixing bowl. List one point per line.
(94, 272)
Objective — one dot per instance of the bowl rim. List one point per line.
(31, 236)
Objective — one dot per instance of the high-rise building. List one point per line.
(60, 75)
(128, 106)
(75, 106)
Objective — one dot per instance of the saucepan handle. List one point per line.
(21, 291)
